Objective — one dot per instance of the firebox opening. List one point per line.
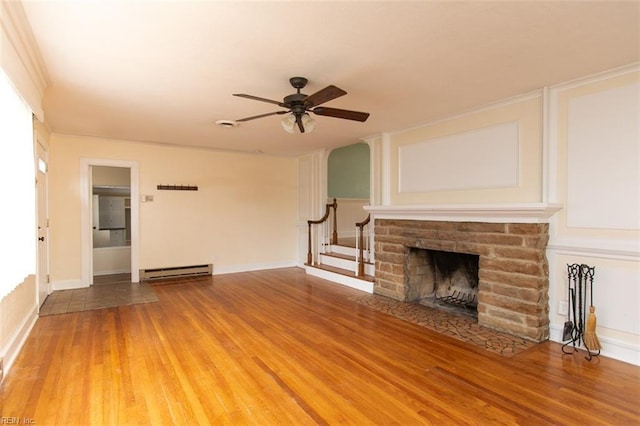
(443, 280)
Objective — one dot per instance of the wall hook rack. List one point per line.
(177, 187)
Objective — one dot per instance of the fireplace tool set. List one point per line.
(580, 329)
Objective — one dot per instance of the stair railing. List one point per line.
(360, 245)
(323, 219)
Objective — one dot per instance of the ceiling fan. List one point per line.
(298, 105)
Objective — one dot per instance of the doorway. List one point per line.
(120, 231)
(42, 185)
(111, 223)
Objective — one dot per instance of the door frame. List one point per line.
(42, 277)
(86, 230)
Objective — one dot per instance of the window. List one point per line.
(17, 175)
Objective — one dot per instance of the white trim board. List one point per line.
(611, 348)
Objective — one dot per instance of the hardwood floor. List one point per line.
(281, 347)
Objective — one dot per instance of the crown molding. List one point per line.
(17, 30)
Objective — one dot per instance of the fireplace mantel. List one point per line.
(493, 213)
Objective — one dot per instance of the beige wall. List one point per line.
(243, 216)
(18, 312)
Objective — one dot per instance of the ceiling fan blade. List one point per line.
(341, 113)
(261, 115)
(256, 98)
(324, 95)
(299, 122)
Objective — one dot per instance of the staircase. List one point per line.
(340, 266)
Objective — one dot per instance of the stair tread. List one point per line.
(344, 256)
(341, 271)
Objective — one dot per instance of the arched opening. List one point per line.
(349, 182)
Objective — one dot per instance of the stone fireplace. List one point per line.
(513, 276)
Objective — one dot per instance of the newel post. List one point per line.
(334, 238)
(309, 253)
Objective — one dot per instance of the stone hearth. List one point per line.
(513, 272)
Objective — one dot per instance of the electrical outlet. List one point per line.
(563, 307)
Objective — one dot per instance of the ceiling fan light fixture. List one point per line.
(308, 123)
(290, 126)
(288, 123)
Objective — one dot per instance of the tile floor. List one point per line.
(461, 327)
(107, 292)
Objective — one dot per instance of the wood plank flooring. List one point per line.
(282, 348)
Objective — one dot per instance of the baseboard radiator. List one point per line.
(175, 272)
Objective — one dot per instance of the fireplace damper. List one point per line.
(444, 280)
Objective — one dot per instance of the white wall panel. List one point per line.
(603, 180)
(482, 158)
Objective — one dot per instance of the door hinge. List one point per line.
(47, 223)
(48, 279)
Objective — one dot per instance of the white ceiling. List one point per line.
(165, 71)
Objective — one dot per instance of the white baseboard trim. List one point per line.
(14, 345)
(611, 348)
(67, 284)
(221, 270)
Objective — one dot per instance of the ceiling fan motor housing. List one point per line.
(295, 102)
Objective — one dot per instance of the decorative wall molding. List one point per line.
(493, 213)
(607, 249)
(450, 162)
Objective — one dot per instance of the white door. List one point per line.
(42, 161)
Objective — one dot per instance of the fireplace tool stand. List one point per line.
(580, 276)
